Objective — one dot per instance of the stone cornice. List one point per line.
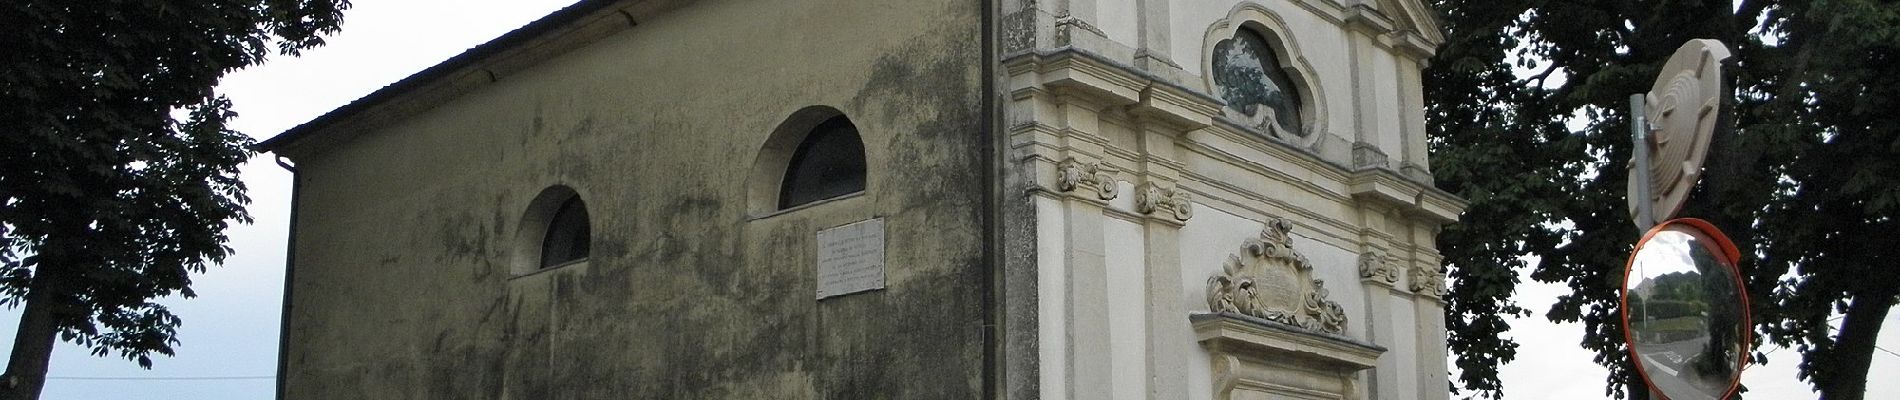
(1332, 11)
(1087, 78)
(1424, 22)
(1176, 107)
(1095, 78)
(1226, 129)
(1412, 44)
(1364, 19)
(1411, 37)
(1417, 200)
(1236, 333)
(1328, 229)
(1441, 207)
(1382, 186)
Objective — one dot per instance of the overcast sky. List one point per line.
(230, 331)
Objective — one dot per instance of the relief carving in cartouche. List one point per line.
(1271, 280)
(1072, 175)
(1152, 198)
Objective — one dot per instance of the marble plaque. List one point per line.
(851, 258)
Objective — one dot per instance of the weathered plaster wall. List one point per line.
(403, 287)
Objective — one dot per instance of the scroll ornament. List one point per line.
(1152, 198)
(1271, 280)
(1072, 175)
(1376, 266)
(1429, 281)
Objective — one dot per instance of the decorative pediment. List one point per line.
(1072, 175)
(1376, 266)
(1271, 280)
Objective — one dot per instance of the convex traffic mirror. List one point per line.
(1685, 313)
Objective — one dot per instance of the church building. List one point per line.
(927, 199)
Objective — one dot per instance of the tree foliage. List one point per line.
(1528, 110)
(118, 173)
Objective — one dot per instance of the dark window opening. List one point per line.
(568, 235)
(828, 164)
(1248, 75)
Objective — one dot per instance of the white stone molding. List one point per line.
(1405, 26)
(1378, 267)
(1072, 175)
(1151, 198)
(1077, 75)
(1306, 82)
(1175, 107)
(1067, 23)
(1254, 358)
(1416, 172)
(1417, 19)
(1368, 156)
(1388, 188)
(1271, 280)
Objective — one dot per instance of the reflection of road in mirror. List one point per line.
(1671, 367)
(1684, 313)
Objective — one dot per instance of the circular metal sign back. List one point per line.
(1685, 312)
(1681, 108)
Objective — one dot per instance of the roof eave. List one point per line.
(551, 34)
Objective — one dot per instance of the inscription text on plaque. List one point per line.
(851, 258)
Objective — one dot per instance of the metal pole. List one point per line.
(1645, 216)
(1639, 126)
(1645, 208)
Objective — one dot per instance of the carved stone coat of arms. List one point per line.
(1270, 280)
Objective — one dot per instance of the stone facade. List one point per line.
(1070, 208)
(1307, 267)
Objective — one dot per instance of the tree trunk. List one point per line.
(33, 344)
(1854, 348)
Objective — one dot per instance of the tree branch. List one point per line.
(1750, 12)
(1540, 77)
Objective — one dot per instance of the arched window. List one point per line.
(828, 163)
(569, 236)
(1249, 76)
(555, 231)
